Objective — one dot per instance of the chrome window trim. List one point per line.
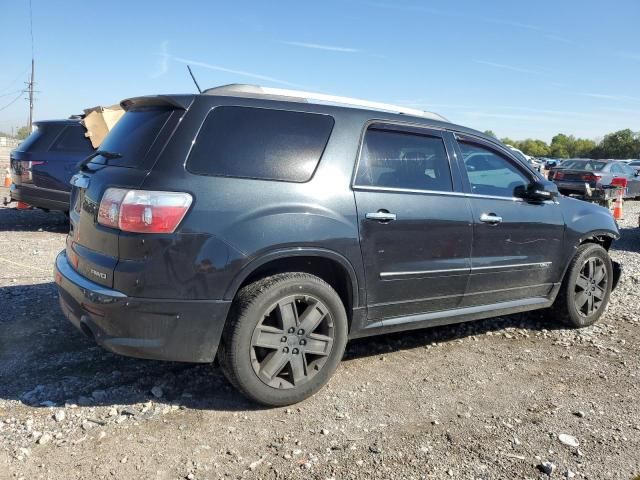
(470, 269)
(429, 131)
(433, 192)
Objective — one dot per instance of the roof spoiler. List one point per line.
(175, 101)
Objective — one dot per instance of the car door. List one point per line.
(517, 245)
(415, 223)
(633, 181)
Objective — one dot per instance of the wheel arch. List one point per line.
(329, 265)
(604, 238)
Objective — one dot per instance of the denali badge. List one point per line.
(98, 274)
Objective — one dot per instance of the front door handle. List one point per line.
(381, 216)
(490, 218)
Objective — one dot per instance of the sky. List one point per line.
(520, 69)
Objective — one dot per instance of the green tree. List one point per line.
(490, 133)
(583, 148)
(534, 148)
(562, 146)
(23, 132)
(620, 144)
(508, 141)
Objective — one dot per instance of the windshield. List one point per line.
(587, 165)
(133, 136)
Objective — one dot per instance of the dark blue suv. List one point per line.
(268, 227)
(43, 164)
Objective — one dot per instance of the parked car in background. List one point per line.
(550, 163)
(635, 164)
(267, 227)
(579, 176)
(534, 162)
(43, 164)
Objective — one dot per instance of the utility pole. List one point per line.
(32, 68)
(31, 95)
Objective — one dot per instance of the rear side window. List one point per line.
(394, 159)
(260, 143)
(72, 139)
(41, 138)
(133, 136)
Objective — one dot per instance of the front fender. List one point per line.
(586, 220)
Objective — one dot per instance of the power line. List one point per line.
(10, 84)
(10, 93)
(12, 102)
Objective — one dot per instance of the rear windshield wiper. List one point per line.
(104, 153)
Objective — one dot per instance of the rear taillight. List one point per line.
(558, 176)
(142, 211)
(589, 177)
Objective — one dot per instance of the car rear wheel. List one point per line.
(285, 338)
(586, 288)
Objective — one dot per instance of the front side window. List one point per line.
(489, 172)
(392, 159)
(260, 143)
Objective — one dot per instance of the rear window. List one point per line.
(133, 136)
(73, 140)
(41, 138)
(260, 143)
(588, 165)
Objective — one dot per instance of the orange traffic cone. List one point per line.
(617, 206)
(7, 179)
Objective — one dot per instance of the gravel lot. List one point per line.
(489, 399)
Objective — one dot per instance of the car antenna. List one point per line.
(194, 79)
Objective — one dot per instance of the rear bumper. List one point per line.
(40, 197)
(159, 329)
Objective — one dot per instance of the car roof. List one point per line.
(283, 98)
(62, 121)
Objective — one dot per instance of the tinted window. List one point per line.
(628, 170)
(589, 165)
(489, 172)
(403, 160)
(133, 136)
(41, 138)
(72, 139)
(635, 163)
(260, 143)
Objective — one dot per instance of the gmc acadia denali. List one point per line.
(267, 227)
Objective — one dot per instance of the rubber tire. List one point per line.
(564, 308)
(249, 305)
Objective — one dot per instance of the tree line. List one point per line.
(622, 144)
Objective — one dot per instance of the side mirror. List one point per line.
(637, 174)
(538, 191)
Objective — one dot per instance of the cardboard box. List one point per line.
(99, 120)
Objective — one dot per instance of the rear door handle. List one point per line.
(381, 216)
(490, 218)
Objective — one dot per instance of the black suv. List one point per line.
(45, 161)
(268, 227)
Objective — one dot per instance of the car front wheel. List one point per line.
(586, 288)
(285, 338)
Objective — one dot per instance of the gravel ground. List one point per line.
(511, 397)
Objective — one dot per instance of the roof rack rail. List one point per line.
(257, 91)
